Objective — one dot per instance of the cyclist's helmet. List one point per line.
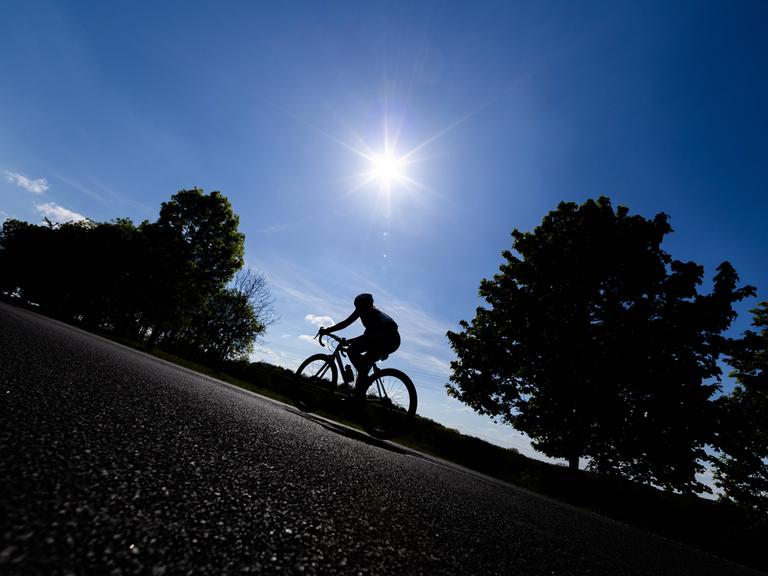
(363, 301)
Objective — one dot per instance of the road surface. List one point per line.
(114, 462)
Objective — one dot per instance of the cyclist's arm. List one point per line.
(343, 324)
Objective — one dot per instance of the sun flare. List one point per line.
(387, 169)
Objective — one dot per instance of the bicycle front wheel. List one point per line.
(317, 377)
(389, 403)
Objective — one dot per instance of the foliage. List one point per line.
(597, 344)
(165, 281)
(194, 250)
(742, 468)
(231, 320)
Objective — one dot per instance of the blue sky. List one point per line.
(502, 109)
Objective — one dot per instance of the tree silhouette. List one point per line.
(21, 248)
(597, 344)
(194, 249)
(232, 319)
(742, 468)
(161, 282)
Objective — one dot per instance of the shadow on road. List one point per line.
(352, 433)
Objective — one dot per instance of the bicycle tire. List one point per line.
(388, 415)
(314, 384)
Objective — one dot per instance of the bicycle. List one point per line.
(386, 396)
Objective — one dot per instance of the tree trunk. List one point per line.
(573, 462)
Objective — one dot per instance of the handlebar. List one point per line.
(341, 341)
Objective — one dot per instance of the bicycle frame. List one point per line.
(340, 352)
(385, 397)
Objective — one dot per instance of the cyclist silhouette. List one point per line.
(379, 340)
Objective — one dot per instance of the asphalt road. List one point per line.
(114, 462)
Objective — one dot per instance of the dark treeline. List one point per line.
(172, 283)
(600, 346)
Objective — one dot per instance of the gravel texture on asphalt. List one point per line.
(113, 462)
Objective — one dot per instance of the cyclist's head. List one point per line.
(363, 301)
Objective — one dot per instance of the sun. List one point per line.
(387, 169)
(386, 172)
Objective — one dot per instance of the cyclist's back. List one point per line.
(375, 320)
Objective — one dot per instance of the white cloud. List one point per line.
(262, 352)
(275, 357)
(36, 186)
(308, 339)
(58, 214)
(319, 321)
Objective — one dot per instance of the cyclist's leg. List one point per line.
(359, 355)
(376, 347)
(357, 348)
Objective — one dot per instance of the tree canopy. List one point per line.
(597, 344)
(742, 468)
(193, 249)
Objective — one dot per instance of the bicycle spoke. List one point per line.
(393, 391)
(390, 402)
(317, 380)
(324, 368)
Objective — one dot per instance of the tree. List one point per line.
(18, 243)
(598, 345)
(194, 249)
(233, 318)
(30, 263)
(742, 468)
(111, 276)
(82, 271)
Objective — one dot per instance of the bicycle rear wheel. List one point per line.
(388, 402)
(317, 377)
